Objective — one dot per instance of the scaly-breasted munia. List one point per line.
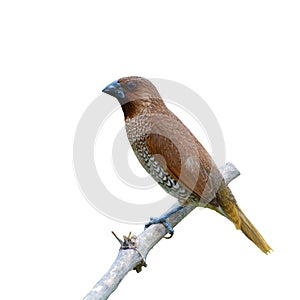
(173, 156)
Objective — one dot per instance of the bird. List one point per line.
(174, 157)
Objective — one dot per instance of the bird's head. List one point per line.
(133, 93)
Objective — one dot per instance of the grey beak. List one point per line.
(115, 89)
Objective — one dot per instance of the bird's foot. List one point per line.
(163, 220)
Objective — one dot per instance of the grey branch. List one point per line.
(131, 259)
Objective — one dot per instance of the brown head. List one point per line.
(134, 94)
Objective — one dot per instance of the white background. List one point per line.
(56, 56)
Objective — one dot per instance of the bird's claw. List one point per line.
(161, 221)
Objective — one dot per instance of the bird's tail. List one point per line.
(235, 214)
(252, 233)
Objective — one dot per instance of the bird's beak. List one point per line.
(115, 89)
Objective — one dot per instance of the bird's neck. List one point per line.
(135, 108)
(132, 109)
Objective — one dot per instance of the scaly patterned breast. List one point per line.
(137, 130)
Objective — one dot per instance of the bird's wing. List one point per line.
(183, 157)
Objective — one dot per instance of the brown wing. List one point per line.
(184, 158)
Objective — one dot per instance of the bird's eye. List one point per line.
(130, 85)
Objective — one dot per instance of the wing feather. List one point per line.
(185, 159)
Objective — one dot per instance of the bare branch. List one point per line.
(130, 259)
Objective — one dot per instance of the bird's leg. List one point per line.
(163, 220)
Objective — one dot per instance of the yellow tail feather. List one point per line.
(252, 233)
(238, 218)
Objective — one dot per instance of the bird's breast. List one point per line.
(137, 131)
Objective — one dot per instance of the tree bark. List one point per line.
(135, 249)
